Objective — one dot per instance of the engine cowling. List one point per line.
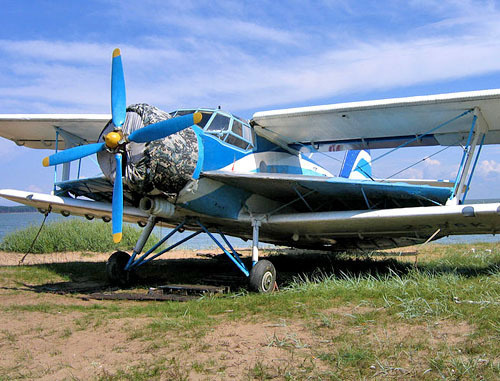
(165, 165)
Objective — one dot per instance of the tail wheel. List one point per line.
(263, 277)
(115, 268)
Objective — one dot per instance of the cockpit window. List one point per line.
(219, 123)
(206, 115)
(236, 141)
(237, 128)
(226, 127)
(247, 133)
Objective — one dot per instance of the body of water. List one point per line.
(10, 222)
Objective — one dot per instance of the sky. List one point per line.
(245, 56)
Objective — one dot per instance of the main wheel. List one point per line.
(115, 268)
(263, 276)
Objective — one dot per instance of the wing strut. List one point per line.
(476, 136)
(134, 263)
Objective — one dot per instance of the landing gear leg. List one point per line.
(118, 266)
(255, 241)
(263, 274)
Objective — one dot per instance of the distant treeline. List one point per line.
(17, 209)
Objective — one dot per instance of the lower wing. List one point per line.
(68, 205)
(419, 222)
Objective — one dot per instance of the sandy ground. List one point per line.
(67, 344)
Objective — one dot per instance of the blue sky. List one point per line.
(246, 56)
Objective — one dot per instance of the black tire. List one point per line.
(115, 269)
(263, 277)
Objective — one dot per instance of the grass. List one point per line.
(71, 235)
(351, 318)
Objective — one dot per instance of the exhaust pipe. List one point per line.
(157, 207)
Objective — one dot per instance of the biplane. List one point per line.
(212, 172)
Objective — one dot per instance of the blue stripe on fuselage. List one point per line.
(214, 154)
(224, 202)
(201, 152)
(218, 154)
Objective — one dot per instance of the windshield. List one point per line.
(226, 127)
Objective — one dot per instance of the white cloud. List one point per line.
(488, 167)
(412, 173)
(247, 65)
(409, 163)
(432, 162)
(233, 29)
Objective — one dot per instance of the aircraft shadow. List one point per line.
(89, 277)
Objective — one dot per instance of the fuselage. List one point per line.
(172, 167)
(198, 174)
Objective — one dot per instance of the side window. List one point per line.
(231, 139)
(219, 123)
(237, 128)
(247, 133)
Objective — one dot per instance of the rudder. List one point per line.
(357, 165)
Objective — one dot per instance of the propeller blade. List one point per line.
(117, 206)
(74, 153)
(164, 128)
(118, 97)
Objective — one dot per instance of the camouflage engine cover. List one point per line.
(161, 166)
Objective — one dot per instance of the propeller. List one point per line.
(118, 95)
(117, 204)
(115, 141)
(72, 154)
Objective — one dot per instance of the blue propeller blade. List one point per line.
(74, 153)
(117, 206)
(118, 97)
(164, 128)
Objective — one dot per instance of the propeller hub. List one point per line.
(112, 139)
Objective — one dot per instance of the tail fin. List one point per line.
(357, 165)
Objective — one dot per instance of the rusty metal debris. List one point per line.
(171, 292)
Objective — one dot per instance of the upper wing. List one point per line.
(383, 123)
(320, 193)
(39, 130)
